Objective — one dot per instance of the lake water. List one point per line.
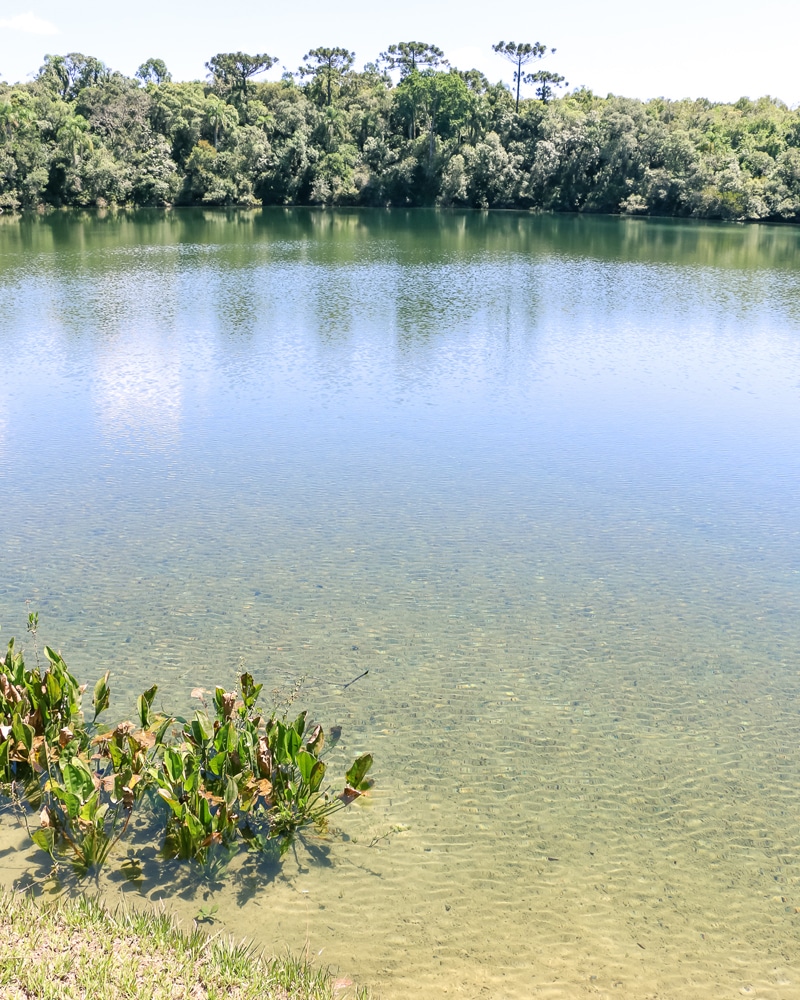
(538, 475)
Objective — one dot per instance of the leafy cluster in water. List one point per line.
(230, 777)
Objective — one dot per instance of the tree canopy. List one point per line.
(153, 71)
(69, 75)
(81, 134)
(410, 56)
(230, 71)
(327, 67)
(519, 54)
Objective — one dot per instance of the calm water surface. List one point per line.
(539, 476)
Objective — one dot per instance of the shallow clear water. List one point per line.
(539, 476)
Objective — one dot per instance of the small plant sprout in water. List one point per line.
(206, 914)
(232, 777)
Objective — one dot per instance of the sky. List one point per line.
(719, 49)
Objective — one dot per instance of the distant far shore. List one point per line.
(82, 136)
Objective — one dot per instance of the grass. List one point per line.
(76, 949)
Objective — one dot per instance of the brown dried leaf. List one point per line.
(103, 737)
(107, 783)
(144, 739)
(316, 741)
(9, 691)
(228, 704)
(264, 757)
(215, 800)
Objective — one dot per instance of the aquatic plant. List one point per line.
(231, 776)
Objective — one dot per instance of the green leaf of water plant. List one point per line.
(305, 764)
(219, 702)
(250, 690)
(173, 764)
(162, 730)
(117, 755)
(45, 839)
(317, 774)
(23, 733)
(90, 811)
(289, 744)
(54, 688)
(55, 658)
(299, 724)
(231, 792)
(102, 695)
(143, 705)
(205, 813)
(174, 805)
(357, 772)
(194, 825)
(71, 801)
(226, 738)
(78, 778)
(205, 724)
(202, 727)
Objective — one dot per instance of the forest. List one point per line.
(408, 129)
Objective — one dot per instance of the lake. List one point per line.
(538, 475)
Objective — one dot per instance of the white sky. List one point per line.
(720, 49)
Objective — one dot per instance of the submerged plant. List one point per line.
(214, 783)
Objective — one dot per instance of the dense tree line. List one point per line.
(408, 129)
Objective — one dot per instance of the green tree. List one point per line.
(15, 115)
(475, 80)
(327, 67)
(73, 134)
(441, 100)
(546, 82)
(220, 116)
(68, 75)
(153, 71)
(520, 54)
(230, 71)
(411, 56)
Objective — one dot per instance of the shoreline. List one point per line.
(75, 947)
